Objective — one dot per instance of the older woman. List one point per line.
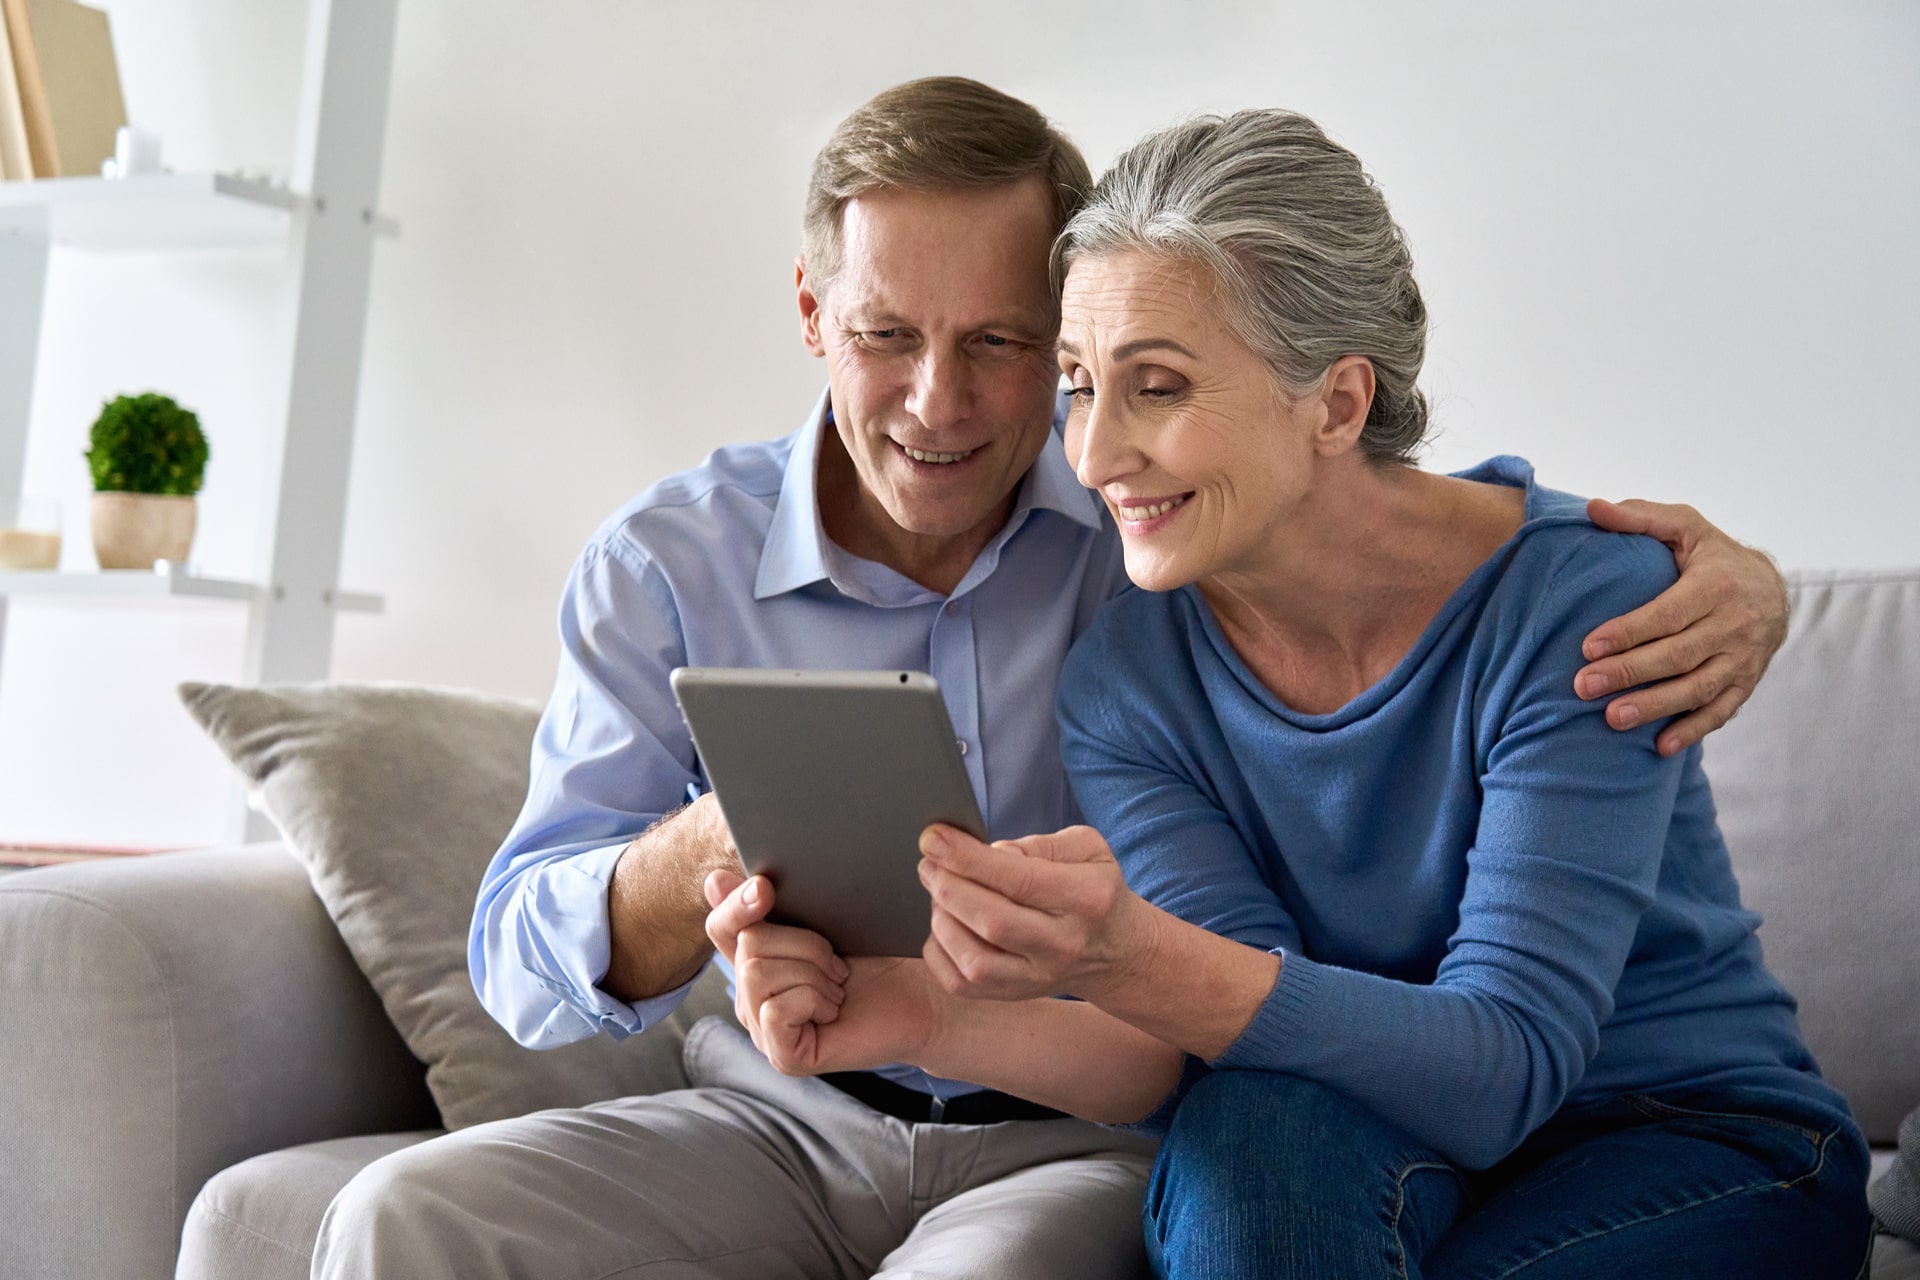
(1427, 970)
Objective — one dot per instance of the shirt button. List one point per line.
(962, 744)
(953, 608)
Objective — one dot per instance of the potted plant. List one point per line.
(148, 459)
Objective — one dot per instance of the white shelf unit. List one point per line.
(163, 581)
(325, 222)
(154, 212)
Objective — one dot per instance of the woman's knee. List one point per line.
(1268, 1126)
(1255, 1155)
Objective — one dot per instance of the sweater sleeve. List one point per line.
(1565, 859)
(1566, 853)
(1174, 841)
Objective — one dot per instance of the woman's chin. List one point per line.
(1156, 573)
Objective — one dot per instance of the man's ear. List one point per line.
(1346, 395)
(809, 309)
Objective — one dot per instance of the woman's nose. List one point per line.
(1097, 447)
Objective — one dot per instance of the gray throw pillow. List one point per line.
(1896, 1196)
(395, 797)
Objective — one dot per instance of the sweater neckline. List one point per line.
(1544, 508)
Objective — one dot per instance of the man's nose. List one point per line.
(941, 391)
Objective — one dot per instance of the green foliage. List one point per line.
(147, 444)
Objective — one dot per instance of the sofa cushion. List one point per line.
(1818, 788)
(1895, 1194)
(395, 797)
(1895, 1259)
(258, 1220)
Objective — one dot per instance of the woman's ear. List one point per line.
(1346, 395)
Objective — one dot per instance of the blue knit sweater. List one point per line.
(1488, 904)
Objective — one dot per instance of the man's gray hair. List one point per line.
(1310, 264)
(942, 133)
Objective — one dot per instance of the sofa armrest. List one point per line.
(166, 1017)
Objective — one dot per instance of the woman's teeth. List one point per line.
(921, 455)
(1151, 512)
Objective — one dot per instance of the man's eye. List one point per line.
(993, 340)
(883, 335)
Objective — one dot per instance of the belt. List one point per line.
(989, 1106)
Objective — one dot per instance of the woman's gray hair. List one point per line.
(1310, 263)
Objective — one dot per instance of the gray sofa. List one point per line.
(191, 1064)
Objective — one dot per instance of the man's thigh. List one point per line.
(701, 1182)
(1077, 1217)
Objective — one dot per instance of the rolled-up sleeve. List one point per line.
(611, 756)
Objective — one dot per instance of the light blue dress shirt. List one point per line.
(728, 565)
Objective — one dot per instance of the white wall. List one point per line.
(1669, 249)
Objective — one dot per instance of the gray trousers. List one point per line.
(749, 1173)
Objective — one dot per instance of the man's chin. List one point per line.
(938, 519)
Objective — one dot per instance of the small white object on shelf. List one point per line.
(135, 151)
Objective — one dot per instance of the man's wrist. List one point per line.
(941, 1040)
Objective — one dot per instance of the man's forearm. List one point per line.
(656, 909)
(1064, 1054)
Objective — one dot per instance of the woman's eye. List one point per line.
(1080, 393)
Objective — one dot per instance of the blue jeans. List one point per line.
(1273, 1176)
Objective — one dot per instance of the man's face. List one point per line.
(938, 334)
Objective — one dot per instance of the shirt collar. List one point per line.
(796, 551)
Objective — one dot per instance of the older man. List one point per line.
(922, 517)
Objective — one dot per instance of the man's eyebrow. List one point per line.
(1139, 346)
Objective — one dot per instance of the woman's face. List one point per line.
(1175, 422)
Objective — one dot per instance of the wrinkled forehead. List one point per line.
(963, 258)
(1117, 300)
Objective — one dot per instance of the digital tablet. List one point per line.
(827, 779)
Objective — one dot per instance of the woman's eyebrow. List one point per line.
(1128, 350)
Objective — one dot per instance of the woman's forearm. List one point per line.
(1064, 1054)
(1184, 985)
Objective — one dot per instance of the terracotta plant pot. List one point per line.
(132, 530)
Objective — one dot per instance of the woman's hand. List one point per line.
(1706, 640)
(807, 1009)
(1045, 915)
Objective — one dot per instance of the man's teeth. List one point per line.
(1150, 512)
(921, 455)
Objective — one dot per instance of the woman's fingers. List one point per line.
(966, 964)
(1002, 868)
(1003, 923)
